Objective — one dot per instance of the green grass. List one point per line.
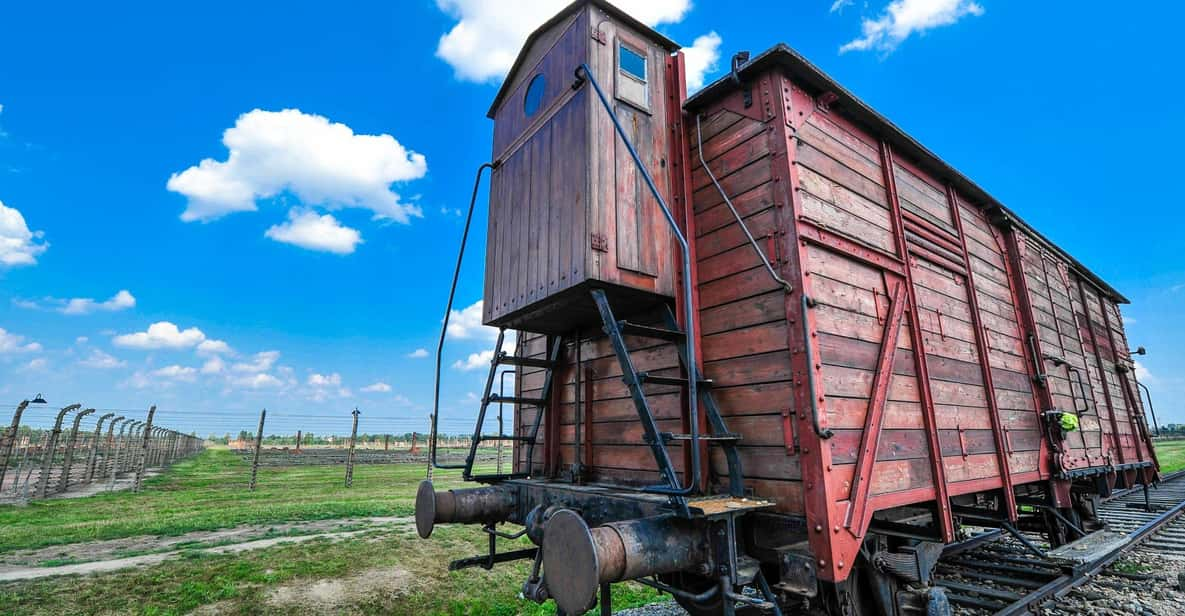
(1171, 455)
(209, 492)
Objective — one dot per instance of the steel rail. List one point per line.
(1061, 585)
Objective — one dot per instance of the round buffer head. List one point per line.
(425, 509)
(570, 562)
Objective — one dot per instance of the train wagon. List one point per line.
(766, 339)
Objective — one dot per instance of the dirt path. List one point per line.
(104, 556)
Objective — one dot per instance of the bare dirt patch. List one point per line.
(103, 556)
(326, 596)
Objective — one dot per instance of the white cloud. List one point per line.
(214, 365)
(214, 347)
(307, 229)
(379, 387)
(325, 380)
(1144, 376)
(122, 300)
(35, 365)
(260, 362)
(81, 340)
(418, 354)
(838, 5)
(320, 162)
(701, 59)
(465, 324)
(902, 18)
(176, 373)
(475, 361)
(257, 381)
(101, 360)
(487, 37)
(161, 335)
(12, 343)
(18, 245)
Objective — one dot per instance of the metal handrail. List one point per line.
(1148, 393)
(584, 73)
(432, 463)
(699, 137)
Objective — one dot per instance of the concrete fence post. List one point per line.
(298, 435)
(9, 439)
(350, 455)
(51, 446)
(92, 458)
(142, 456)
(109, 446)
(120, 441)
(258, 446)
(64, 480)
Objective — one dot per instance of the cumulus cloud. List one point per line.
(18, 245)
(418, 354)
(320, 162)
(214, 347)
(257, 381)
(1144, 376)
(123, 300)
(484, 42)
(176, 373)
(260, 362)
(307, 229)
(35, 365)
(902, 18)
(474, 361)
(379, 387)
(325, 380)
(161, 335)
(214, 365)
(465, 324)
(12, 343)
(702, 58)
(103, 361)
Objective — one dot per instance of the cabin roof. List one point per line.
(609, 9)
(800, 69)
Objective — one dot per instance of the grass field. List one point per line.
(387, 570)
(1171, 455)
(383, 569)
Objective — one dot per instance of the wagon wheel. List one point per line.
(695, 584)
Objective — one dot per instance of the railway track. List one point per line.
(1001, 575)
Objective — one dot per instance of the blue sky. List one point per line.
(304, 263)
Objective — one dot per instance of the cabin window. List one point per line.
(632, 63)
(534, 96)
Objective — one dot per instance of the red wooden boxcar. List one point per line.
(883, 355)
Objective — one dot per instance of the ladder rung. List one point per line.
(658, 379)
(503, 437)
(495, 399)
(646, 377)
(633, 329)
(526, 362)
(731, 436)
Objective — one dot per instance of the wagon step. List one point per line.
(633, 329)
(525, 362)
(659, 379)
(731, 437)
(496, 398)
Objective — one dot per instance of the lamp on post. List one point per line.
(38, 399)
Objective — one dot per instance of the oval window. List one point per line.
(534, 95)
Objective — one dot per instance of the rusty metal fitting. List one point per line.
(486, 505)
(577, 559)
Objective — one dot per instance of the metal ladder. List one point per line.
(719, 433)
(542, 404)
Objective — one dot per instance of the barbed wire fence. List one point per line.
(47, 451)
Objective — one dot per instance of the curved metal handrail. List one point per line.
(432, 463)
